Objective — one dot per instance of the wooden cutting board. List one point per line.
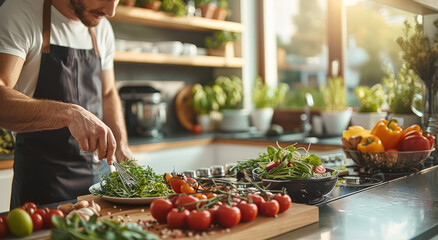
(297, 216)
(184, 109)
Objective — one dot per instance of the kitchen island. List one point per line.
(404, 208)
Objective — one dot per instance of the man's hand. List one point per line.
(91, 133)
(123, 152)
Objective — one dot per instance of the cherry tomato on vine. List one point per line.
(48, 217)
(41, 211)
(228, 216)
(210, 195)
(177, 219)
(160, 207)
(256, 199)
(199, 220)
(213, 211)
(186, 188)
(176, 183)
(248, 211)
(3, 226)
(284, 201)
(200, 196)
(270, 208)
(185, 201)
(37, 221)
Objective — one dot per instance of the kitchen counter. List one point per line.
(404, 208)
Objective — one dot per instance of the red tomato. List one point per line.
(192, 182)
(185, 201)
(256, 199)
(319, 169)
(228, 216)
(200, 196)
(176, 184)
(213, 211)
(173, 199)
(29, 205)
(199, 220)
(3, 226)
(177, 219)
(268, 195)
(270, 208)
(42, 212)
(48, 217)
(284, 201)
(37, 221)
(249, 211)
(160, 207)
(210, 195)
(197, 129)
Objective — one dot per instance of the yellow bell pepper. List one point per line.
(370, 143)
(355, 131)
(388, 132)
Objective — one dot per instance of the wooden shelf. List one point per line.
(148, 17)
(302, 67)
(158, 58)
(421, 7)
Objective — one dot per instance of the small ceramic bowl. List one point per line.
(174, 48)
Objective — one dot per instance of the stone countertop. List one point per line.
(404, 208)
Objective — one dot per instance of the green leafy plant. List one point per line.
(224, 5)
(141, 3)
(419, 54)
(149, 184)
(370, 99)
(265, 96)
(207, 98)
(199, 3)
(400, 89)
(220, 37)
(177, 7)
(233, 88)
(335, 94)
(76, 228)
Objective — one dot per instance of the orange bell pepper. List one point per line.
(388, 132)
(370, 143)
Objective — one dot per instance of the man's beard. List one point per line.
(78, 6)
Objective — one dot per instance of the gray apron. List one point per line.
(49, 166)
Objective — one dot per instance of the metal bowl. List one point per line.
(388, 160)
(308, 191)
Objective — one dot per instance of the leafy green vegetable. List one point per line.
(293, 164)
(149, 184)
(76, 228)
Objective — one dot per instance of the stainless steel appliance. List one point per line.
(145, 111)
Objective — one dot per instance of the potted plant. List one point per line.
(400, 92)
(222, 10)
(370, 110)
(336, 116)
(265, 98)
(207, 99)
(221, 43)
(234, 117)
(207, 7)
(176, 7)
(149, 4)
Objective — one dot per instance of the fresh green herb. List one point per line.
(76, 228)
(149, 183)
(293, 164)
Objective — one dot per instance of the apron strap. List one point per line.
(46, 25)
(46, 29)
(93, 37)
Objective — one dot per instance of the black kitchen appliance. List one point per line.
(145, 111)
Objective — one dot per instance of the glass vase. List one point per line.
(430, 111)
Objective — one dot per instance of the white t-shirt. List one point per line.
(21, 24)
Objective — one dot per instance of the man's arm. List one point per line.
(113, 115)
(21, 113)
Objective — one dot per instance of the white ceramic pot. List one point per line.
(336, 122)
(367, 120)
(205, 122)
(405, 120)
(261, 118)
(235, 120)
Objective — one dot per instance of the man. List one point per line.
(57, 92)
